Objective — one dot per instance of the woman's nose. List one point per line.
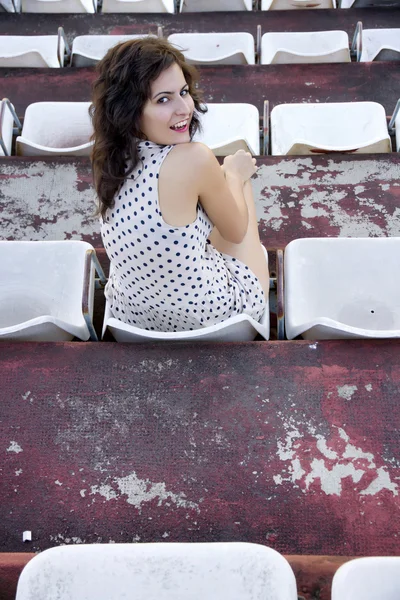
(181, 107)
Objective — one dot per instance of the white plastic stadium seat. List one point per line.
(87, 50)
(6, 128)
(41, 287)
(380, 44)
(240, 328)
(368, 578)
(174, 571)
(357, 127)
(59, 6)
(10, 6)
(215, 48)
(337, 288)
(30, 51)
(308, 47)
(56, 129)
(296, 4)
(214, 5)
(138, 6)
(227, 128)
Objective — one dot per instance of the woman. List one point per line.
(180, 231)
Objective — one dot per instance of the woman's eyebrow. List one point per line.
(170, 93)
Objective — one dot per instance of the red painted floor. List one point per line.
(292, 444)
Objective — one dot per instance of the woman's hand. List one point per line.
(241, 165)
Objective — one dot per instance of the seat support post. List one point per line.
(266, 128)
(280, 310)
(67, 50)
(91, 259)
(356, 45)
(5, 103)
(392, 122)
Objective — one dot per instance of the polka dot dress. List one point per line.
(167, 278)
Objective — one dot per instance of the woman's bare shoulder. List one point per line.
(191, 157)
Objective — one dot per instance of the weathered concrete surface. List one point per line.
(355, 195)
(292, 444)
(296, 20)
(313, 573)
(280, 84)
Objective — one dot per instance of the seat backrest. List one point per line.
(307, 47)
(57, 124)
(296, 4)
(215, 48)
(226, 123)
(237, 571)
(349, 280)
(58, 6)
(139, 6)
(337, 126)
(28, 51)
(215, 5)
(89, 49)
(374, 41)
(41, 278)
(368, 579)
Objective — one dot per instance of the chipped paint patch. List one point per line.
(368, 387)
(45, 201)
(14, 447)
(338, 460)
(140, 491)
(346, 391)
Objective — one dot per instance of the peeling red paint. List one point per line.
(99, 415)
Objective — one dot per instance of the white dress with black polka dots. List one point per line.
(167, 278)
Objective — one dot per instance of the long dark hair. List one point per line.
(122, 87)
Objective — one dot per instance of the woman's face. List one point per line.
(168, 112)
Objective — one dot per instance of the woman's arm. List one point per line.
(191, 173)
(221, 191)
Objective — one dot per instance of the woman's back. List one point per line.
(164, 277)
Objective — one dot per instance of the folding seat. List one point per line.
(138, 6)
(216, 48)
(9, 6)
(239, 328)
(369, 3)
(337, 288)
(56, 129)
(59, 6)
(296, 4)
(356, 127)
(377, 44)
(368, 578)
(214, 5)
(308, 47)
(46, 290)
(33, 51)
(179, 571)
(87, 50)
(227, 128)
(7, 119)
(394, 125)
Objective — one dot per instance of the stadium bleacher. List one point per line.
(292, 444)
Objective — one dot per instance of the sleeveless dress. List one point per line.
(167, 278)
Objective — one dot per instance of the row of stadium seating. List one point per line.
(331, 289)
(210, 48)
(65, 129)
(238, 571)
(170, 6)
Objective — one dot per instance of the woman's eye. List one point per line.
(184, 92)
(162, 100)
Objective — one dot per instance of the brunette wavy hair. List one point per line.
(122, 87)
